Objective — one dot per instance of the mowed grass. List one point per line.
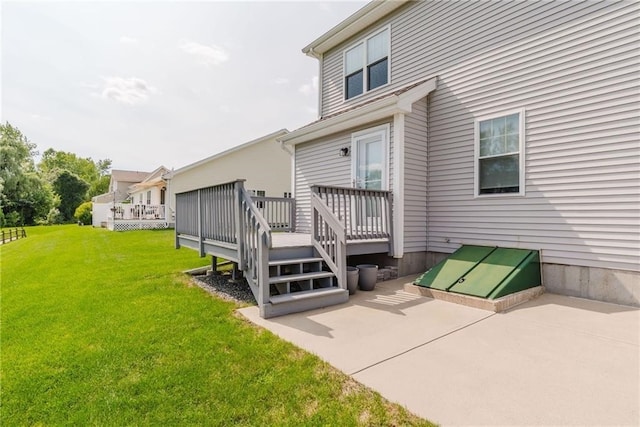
(101, 328)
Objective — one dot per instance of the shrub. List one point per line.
(54, 217)
(83, 213)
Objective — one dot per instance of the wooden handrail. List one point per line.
(251, 207)
(329, 238)
(254, 244)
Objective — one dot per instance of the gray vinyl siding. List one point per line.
(574, 67)
(318, 163)
(415, 173)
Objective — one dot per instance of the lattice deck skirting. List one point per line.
(136, 225)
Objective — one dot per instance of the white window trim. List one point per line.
(363, 42)
(476, 154)
(382, 130)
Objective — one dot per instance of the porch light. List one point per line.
(344, 152)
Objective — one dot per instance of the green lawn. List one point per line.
(101, 328)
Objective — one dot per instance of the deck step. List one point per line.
(303, 276)
(294, 261)
(305, 295)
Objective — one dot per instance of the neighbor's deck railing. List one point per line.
(130, 211)
(365, 214)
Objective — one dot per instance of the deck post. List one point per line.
(292, 218)
(175, 228)
(341, 261)
(263, 273)
(240, 236)
(389, 198)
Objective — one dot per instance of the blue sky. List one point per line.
(147, 83)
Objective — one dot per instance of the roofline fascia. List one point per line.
(349, 27)
(274, 135)
(381, 109)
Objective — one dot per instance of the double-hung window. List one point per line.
(499, 148)
(366, 65)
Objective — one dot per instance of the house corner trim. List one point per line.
(398, 184)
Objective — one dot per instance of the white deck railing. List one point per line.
(136, 212)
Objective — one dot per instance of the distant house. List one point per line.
(136, 200)
(441, 124)
(262, 163)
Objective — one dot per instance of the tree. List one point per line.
(98, 187)
(24, 195)
(95, 174)
(72, 191)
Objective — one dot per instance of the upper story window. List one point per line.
(499, 148)
(366, 65)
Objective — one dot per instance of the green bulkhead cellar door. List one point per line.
(485, 272)
(447, 273)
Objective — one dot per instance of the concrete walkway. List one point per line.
(555, 360)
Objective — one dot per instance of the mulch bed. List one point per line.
(225, 287)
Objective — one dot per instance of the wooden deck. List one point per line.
(290, 240)
(354, 247)
(287, 271)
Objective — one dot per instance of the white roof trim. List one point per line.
(367, 113)
(355, 23)
(274, 136)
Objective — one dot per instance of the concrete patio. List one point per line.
(555, 360)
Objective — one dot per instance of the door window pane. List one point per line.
(370, 163)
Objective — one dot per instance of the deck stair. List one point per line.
(298, 284)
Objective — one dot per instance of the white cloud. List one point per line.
(309, 88)
(128, 40)
(207, 55)
(36, 116)
(281, 81)
(129, 91)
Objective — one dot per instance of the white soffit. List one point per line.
(351, 26)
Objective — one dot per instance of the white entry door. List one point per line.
(370, 159)
(369, 171)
